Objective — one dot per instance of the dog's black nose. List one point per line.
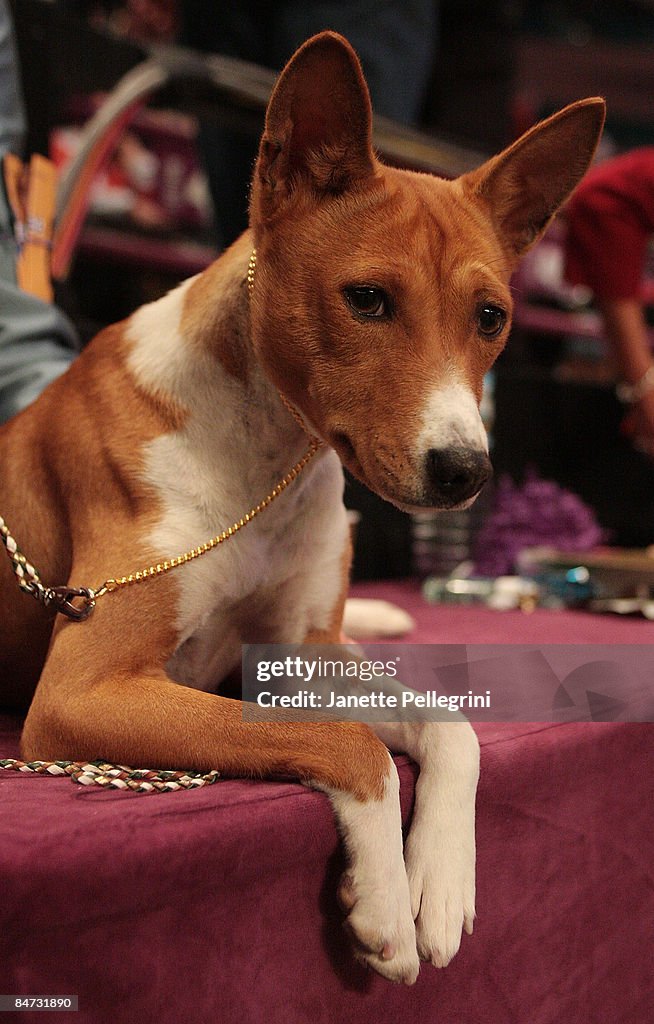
(456, 474)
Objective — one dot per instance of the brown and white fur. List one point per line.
(170, 426)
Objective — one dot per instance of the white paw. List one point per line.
(381, 926)
(374, 891)
(366, 618)
(441, 878)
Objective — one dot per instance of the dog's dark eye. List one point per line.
(367, 301)
(491, 320)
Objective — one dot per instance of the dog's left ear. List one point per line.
(526, 184)
(318, 131)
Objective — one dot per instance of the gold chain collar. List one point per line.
(77, 603)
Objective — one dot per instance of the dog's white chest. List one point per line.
(272, 581)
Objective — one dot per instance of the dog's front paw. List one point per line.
(442, 886)
(380, 924)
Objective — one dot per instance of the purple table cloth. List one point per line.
(219, 905)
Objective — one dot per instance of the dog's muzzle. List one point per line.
(456, 474)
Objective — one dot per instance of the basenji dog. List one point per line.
(362, 309)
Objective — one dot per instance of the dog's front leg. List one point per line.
(374, 889)
(440, 848)
(136, 715)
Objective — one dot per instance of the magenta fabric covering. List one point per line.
(218, 905)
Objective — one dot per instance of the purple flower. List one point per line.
(533, 513)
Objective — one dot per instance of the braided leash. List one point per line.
(115, 776)
(61, 598)
(25, 573)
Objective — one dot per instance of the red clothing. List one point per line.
(610, 220)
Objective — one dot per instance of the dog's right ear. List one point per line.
(318, 131)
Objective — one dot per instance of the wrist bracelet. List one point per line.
(629, 394)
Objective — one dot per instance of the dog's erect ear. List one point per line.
(318, 125)
(526, 184)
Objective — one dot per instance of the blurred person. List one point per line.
(610, 225)
(37, 342)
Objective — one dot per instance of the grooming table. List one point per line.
(218, 905)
